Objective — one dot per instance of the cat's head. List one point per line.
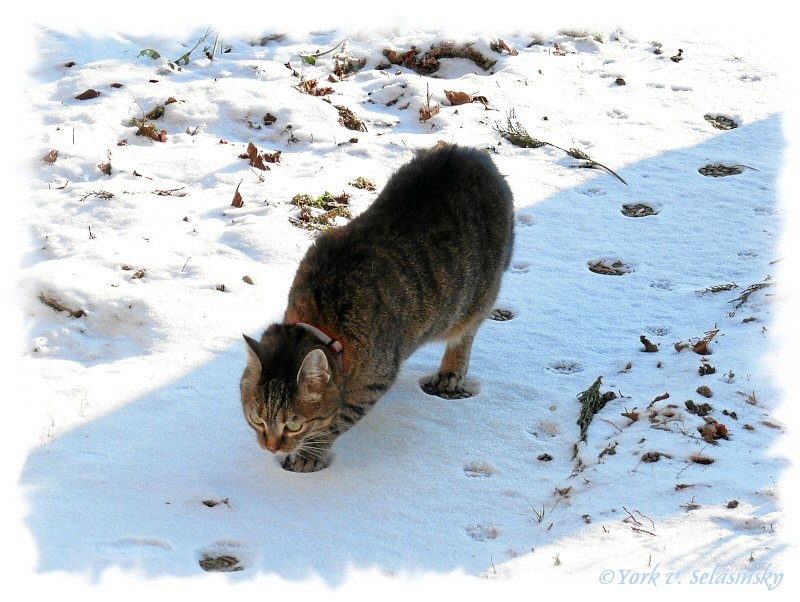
(289, 394)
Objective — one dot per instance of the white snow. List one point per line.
(129, 460)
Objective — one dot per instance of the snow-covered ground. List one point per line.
(132, 467)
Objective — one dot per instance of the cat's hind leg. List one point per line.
(449, 381)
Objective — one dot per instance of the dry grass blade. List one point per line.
(745, 296)
(592, 401)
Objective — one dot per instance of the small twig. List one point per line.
(54, 304)
(592, 164)
(611, 423)
(103, 194)
(185, 57)
(653, 524)
(645, 531)
(745, 296)
(214, 49)
(319, 53)
(632, 517)
(168, 192)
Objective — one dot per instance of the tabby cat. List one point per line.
(424, 262)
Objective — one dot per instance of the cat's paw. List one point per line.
(449, 385)
(301, 463)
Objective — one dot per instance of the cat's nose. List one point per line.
(272, 444)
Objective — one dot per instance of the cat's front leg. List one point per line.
(312, 454)
(301, 462)
(449, 381)
(448, 385)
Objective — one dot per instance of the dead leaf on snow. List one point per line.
(713, 430)
(237, 198)
(648, 346)
(148, 130)
(310, 87)
(257, 159)
(633, 416)
(500, 46)
(458, 98)
(349, 119)
(427, 112)
(56, 305)
(88, 94)
(51, 157)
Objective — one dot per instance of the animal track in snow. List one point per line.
(482, 532)
(609, 267)
(663, 284)
(638, 210)
(133, 547)
(479, 469)
(502, 315)
(524, 219)
(565, 367)
(225, 557)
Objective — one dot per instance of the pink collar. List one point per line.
(330, 343)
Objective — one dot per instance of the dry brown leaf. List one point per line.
(56, 305)
(350, 120)
(426, 113)
(51, 157)
(256, 158)
(237, 198)
(713, 430)
(458, 98)
(632, 416)
(148, 130)
(500, 46)
(310, 87)
(648, 346)
(88, 94)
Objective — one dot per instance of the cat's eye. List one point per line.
(293, 426)
(256, 419)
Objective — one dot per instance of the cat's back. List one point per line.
(436, 239)
(444, 183)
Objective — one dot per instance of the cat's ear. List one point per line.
(315, 370)
(257, 351)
